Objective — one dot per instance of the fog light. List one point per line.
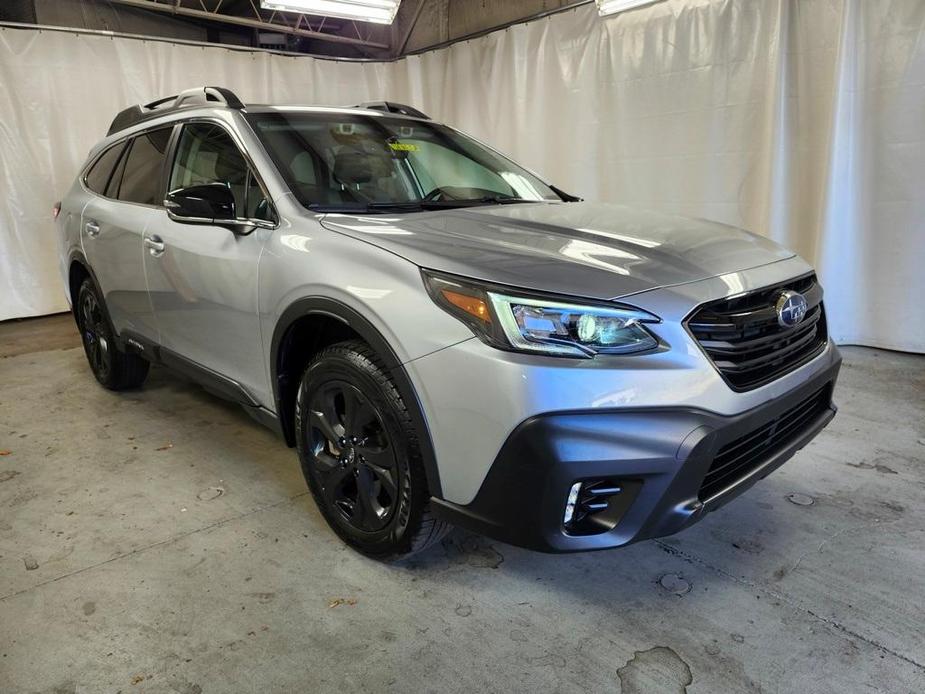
(570, 504)
(597, 505)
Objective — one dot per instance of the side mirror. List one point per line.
(208, 203)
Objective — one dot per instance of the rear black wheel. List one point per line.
(115, 369)
(360, 454)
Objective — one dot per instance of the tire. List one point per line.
(360, 454)
(113, 368)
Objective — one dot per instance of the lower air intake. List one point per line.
(742, 456)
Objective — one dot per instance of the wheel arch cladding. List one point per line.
(78, 271)
(311, 324)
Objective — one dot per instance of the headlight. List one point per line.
(533, 323)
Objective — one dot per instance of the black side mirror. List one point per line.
(208, 203)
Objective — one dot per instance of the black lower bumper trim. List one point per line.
(663, 455)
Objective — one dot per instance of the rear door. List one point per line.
(202, 278)
(114, 221)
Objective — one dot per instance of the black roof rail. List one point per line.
(198, 96)
(392, 107)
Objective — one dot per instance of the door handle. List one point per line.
(92, 229)
(155, 245)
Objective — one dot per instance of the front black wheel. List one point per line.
(115, 369)
(360, 454)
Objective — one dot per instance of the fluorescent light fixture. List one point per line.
(378, 11)
(606, 7)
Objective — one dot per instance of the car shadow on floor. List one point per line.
(639, 566)
(176, 398)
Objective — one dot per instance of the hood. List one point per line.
(594, 250)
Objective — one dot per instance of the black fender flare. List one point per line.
(77, 256)
(367, 331)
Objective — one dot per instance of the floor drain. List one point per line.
(675, 583)
(210, 493)
(801, 499)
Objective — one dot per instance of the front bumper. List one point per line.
(660, 458)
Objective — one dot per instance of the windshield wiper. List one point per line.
(497, 200)
(402, 206)
(413, 205)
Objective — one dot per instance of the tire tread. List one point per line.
(428, 529)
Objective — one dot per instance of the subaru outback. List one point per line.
(443, 336)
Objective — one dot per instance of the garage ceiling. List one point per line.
(249, 14)
(418, 25)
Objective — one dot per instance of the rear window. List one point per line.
(98, 175)
(112, 190)
(142, 179)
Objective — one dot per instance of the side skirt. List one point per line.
(212, 381)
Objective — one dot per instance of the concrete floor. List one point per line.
(161, 541)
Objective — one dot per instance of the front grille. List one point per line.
(738, 458)
(749, 347)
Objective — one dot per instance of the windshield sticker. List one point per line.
(403, 147)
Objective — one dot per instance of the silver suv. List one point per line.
(444, 337)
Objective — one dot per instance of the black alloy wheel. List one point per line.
(361, 456)
(113, 368)
(353, 456)
(96, 336)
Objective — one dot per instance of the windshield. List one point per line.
(338, 161)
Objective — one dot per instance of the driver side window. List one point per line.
(207, 154)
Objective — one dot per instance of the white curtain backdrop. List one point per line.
(803, 120)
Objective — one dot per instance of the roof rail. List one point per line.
(198, 96)
(392, 107)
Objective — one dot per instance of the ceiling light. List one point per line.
(606, 7)
(378, 11)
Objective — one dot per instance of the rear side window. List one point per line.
(112, 190)
(98, 175)
(141, 180)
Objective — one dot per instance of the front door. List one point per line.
(202, 278)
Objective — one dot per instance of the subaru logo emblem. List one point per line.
(791, 308)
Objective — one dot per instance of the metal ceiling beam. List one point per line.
(400, 49)
(179, 10)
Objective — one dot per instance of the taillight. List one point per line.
(56, 210)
